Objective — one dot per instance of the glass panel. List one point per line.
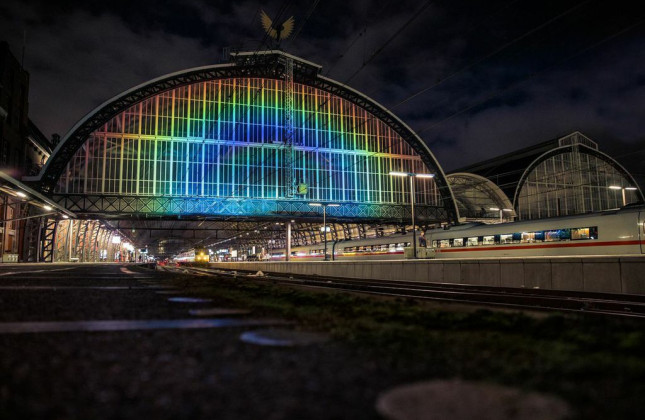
(223, 138)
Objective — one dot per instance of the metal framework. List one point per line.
(78, 240)
(476, 196)
(48, 239)
(206, 142)
(573, 179)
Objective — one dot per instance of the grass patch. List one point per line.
(596, 364)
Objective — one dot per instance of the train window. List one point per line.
(458, 242)
(528, 237)
(580, 233)
(444, 243)
(472, 241)
(552, 235)
(488, 240)
(506, 238)
(434, 243)
(584, 233)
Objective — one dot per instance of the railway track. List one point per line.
(621, 305)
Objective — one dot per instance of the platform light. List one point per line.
(48, 208)
(412, 175)
(622, 189)
(324, 229)
(21, 194)
(501, 212)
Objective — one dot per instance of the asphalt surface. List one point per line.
(73, 369)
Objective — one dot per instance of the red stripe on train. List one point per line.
(567, 245)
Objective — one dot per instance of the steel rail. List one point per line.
(612, 304)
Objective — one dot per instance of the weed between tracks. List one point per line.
(596, 364)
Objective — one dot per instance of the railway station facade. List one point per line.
(248, 152)
(262, 139)
(565, 176)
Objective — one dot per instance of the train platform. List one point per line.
(584, 273)
(108, 341)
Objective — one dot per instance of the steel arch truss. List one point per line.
(269, 65)
(114, 206)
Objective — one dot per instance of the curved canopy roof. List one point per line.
(478, 198)
(266, 65)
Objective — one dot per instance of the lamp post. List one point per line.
(324, 207)
(616, 187)
(501, 212)
(412, 176)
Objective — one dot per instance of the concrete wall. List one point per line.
(590, 274)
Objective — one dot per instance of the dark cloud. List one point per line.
(475, 79)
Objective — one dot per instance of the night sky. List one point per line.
(475, 79)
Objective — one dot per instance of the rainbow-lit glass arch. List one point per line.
(213, 137)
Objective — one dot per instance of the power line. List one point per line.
(531, 77)
(389, 40)
(491, 54)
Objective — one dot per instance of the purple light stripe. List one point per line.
(124, 325)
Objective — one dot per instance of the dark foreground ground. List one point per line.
(596, 365)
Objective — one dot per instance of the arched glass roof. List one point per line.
(213, 140)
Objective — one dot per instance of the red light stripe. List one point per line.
(541, 246)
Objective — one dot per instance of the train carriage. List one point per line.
(613, 232)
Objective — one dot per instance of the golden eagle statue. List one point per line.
(277, 32)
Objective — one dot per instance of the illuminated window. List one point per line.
(506, 238)
(584, 233)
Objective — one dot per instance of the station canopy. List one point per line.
(256, 141)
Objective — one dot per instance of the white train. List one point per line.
(612, 232)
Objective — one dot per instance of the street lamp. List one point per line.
(501, 212)
(616, 187)
(412, 176)
(324, 207)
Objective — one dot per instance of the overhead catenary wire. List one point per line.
(492, 53)
(532, 76)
